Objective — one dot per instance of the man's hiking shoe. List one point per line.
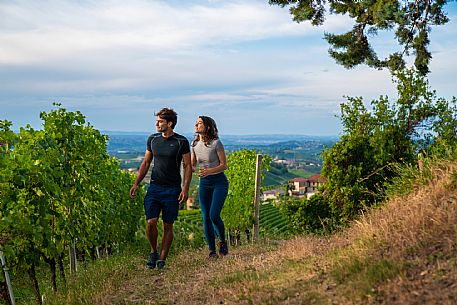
(160, 264)
(223, 248)
(212, 254)
(153, 257)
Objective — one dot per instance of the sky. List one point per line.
(244, 63)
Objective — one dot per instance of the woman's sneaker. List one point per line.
(153, 257)
(223, 248)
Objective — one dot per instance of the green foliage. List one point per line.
(59, 184)
(188, 232)
(7, 136)
(311, 215)
(238, 209)
(409, 178)
(359, 166)
(411, 21)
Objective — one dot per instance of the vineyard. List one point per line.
(272, 222)
(61, 196)
(188, 232)
(64, 201)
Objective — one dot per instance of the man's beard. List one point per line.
(162, 128)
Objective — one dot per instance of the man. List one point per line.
(166, 150)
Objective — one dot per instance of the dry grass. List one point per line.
(402, 253)
(406, 222)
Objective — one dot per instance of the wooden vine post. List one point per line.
(258, 181)
(7, 278)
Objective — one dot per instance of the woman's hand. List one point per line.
(203, 172)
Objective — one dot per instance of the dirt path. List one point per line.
(297, 271)
(263, 274)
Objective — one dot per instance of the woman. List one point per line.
(208, 152)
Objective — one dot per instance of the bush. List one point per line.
(312, 215)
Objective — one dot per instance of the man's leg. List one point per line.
(170, 208)
(167, 239)
(152, 233)
(152, 210)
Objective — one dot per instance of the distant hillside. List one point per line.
(280, 175)
(127, 146)
(125, 141)
(304, 151)
(277, 179)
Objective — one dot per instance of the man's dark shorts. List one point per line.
(162, 198)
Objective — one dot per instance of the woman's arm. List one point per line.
(193, 160)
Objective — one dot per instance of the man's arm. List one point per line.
(142, 172)
(187, 177)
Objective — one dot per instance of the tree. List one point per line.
(360, 164)
(411, 20)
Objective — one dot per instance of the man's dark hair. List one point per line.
(168, 115)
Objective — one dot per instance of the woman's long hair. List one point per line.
(211, 132)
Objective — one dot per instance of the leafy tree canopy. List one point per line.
(377, 142)
(360, 164)
(411, 21)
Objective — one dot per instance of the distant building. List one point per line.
(301, 187)
(284, 161)
(190, 203)
(272, 194)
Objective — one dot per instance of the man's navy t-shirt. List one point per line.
(167, 157)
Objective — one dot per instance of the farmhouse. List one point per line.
(301, 187)
(272, 194)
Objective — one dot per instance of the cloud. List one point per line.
(87, 46)
(34, 32)
(120, 61)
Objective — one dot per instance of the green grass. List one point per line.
(360, 275)
(82, 286)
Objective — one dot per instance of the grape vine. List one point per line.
(59, 185)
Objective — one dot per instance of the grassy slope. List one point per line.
(402, 253)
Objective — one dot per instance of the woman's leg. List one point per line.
(218, 200)
(205, 195)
